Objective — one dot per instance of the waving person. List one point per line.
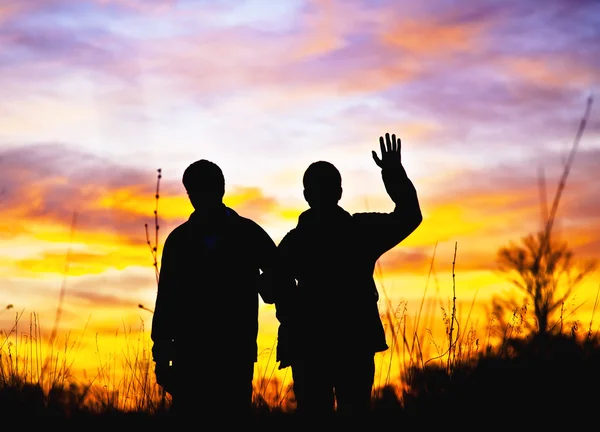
(326, 298)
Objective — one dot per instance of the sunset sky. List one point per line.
(99, 94)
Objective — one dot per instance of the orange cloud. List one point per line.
(430, 38)
(135, 200)
(85, 262)
(322, 31)
(476, 214)
(251, 202)
(552, 71)
(378, 78)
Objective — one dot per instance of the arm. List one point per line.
(390, 229)
(266, 249)
(162, 320)
(162, 333)
(285, 301)
(397, 184)
(284, 279)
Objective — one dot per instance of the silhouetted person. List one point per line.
(330, 327)
(206, 315)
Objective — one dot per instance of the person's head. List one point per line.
(205, 184)
(322, 185)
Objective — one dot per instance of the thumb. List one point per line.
(376, 158)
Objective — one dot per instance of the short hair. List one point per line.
(203, 176)
(322, 175)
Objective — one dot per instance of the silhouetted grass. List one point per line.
(516, 374)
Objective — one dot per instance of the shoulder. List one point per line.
(177, 233)
(289, 238)
(247, 225)
(243, 221)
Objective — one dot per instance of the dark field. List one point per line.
(540, 379)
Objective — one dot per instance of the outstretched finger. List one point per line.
(388, 143)
(394, 145)
(381, 145)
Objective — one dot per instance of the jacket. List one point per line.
(207, 298)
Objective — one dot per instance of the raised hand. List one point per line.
(390, 153)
